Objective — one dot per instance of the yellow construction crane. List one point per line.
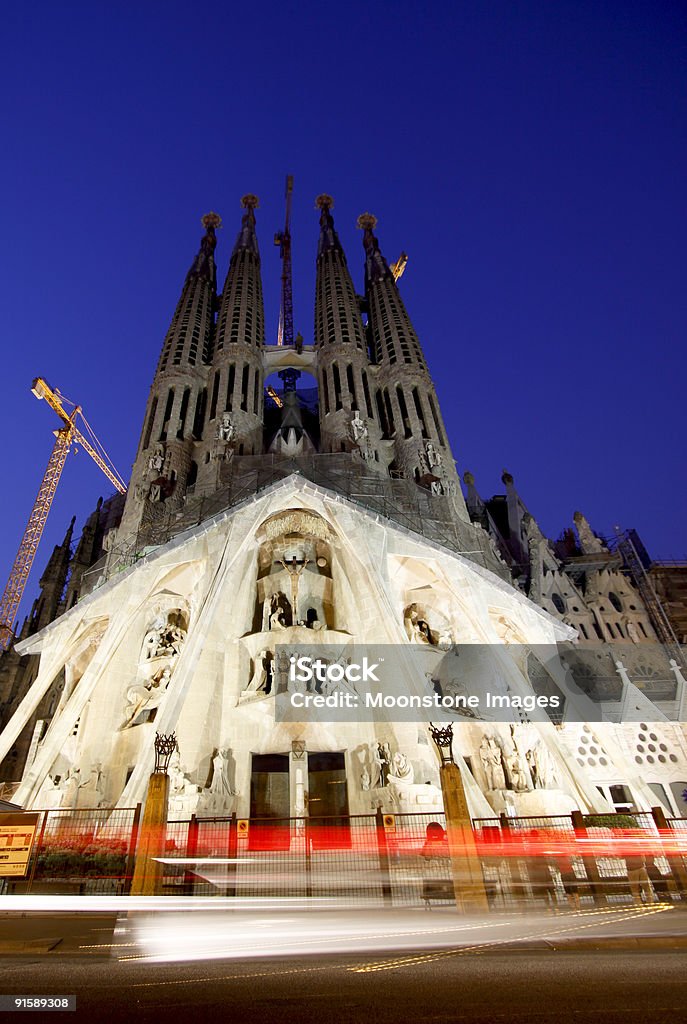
(65, 437)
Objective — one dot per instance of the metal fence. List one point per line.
(87, 851)
(555, 860)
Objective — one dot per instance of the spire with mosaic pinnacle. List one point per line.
(235, 385)
(342, 361)
(177, 395)
(405, 397)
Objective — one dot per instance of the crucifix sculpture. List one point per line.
(294, 566)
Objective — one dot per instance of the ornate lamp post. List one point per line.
(468, 880)
(147, 880)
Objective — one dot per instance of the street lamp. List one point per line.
(443, 738)
(164, 748)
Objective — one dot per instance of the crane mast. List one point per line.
(283, 240)
(64, 438)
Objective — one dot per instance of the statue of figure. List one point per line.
(145, 696)
(226, 431)
(179, 785)
(517, 773)
(151, 641)
(434, 456)
(485, 758)
(402, 769)
(498, 774)
(435, 487)
(359, 428)
(633, 633)
(50, 795)
(163, 641)
(171, 641)
(70, 786)
(383, 762)
(157, 459)
(220, 790)
(259, 678)
(589, 542)
(445, 640)
(422, 634)
(365, 780)
(277, 620)
(542, 767)
(94, 786)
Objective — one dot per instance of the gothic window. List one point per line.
(168, 413)
(325, 392)
(389, 412)
(437, 425)
(337, 387)
(615, 601)
(351, 386)
(230, 388)
(256, 393)
(185, 398)
(215, 392)
(407, 430)
(151, 421)
(199, 417)
(559, 603)
(381, 413)
(420, 413)
(244, 388)
(366, 392)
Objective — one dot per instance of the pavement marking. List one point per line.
(400, 962)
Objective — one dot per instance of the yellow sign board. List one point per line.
(242, 828)
(17, 834)
(389, 823)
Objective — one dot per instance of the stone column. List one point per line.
(147, 880)
(466, 867)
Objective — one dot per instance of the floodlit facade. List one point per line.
(261, 513)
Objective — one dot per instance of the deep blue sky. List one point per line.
(530, 158)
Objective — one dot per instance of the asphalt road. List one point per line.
(475, 987)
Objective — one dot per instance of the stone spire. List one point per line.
(235, 384)
(343, 363)
(52, 583)
(405, 397)
(247, 239)
(176, 405)
(189, 339)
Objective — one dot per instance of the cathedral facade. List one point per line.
(262, 514)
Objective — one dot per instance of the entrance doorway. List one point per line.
(328, 801)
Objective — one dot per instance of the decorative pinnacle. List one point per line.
(324, 202)
(250, 202)
(366, 222)
(211, 220)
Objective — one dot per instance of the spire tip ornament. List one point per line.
(211, 220)
(366, 222)
(324, 202)
(249, 201)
